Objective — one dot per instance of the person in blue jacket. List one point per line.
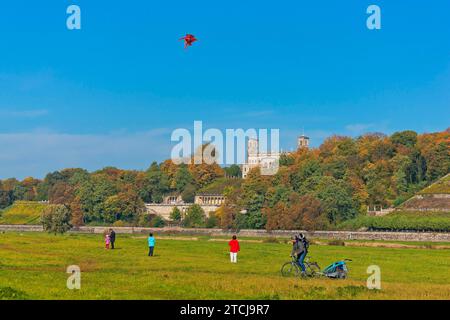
(151, 244)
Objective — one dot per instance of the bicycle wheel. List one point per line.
(313, 269)
(290, 269)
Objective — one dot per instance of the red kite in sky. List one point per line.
(189, 39)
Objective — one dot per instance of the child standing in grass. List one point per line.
(107, 241)
(151, 244)
(234, 249)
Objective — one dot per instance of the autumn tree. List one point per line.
(312, 213)
(124, 206)
(276, 216)
(76, 210)
(298, 213)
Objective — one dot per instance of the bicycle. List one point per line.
(292, 268)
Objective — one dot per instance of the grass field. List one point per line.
(33, 265)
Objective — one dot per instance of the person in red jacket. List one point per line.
(234, 249)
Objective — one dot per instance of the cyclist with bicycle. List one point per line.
(299, 250)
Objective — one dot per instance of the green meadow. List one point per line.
(33, 266)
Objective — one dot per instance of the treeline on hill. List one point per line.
(316, 188)
(111, 194)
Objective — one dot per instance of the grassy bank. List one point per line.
(22, 212)
(440, 187)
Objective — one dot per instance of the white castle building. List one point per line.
(267, 161)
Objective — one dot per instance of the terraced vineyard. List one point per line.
(440, 187)
(22, 212)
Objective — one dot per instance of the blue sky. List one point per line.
(112, 92)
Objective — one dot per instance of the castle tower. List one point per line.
(252, 147)
(303, 142)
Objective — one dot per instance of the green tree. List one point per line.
(233, 171)
(253, 218)
(19, 192)
(144, 187)
(337, 167)
(157, 222)
(286, 160)
(212, 221)
(6, 197)
(401, 164)
(308, 169)
(438, 161)
(50, 180)
(188, 194)
(112, 209)
(276, 194)
(336, 198)
(417, 169)
(93, 194)
(379, 182)
(175, 215)
(195, 217)
(406, 138)
(158, 182)
(183, 178)
(56, 219)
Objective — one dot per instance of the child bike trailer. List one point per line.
(337, 270)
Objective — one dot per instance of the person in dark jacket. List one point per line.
(304, 244)
(112, 237)
(299, 251)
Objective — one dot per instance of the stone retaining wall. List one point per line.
(164, 210)
(334, 235)
(20, 228)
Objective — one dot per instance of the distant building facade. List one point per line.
(266, 161)
(208, 202)
(302, 142)
(255, 158)
(209, 199)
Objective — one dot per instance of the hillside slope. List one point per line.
(22, 212)
(427, 211)
(435, 197)
(442, 186)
